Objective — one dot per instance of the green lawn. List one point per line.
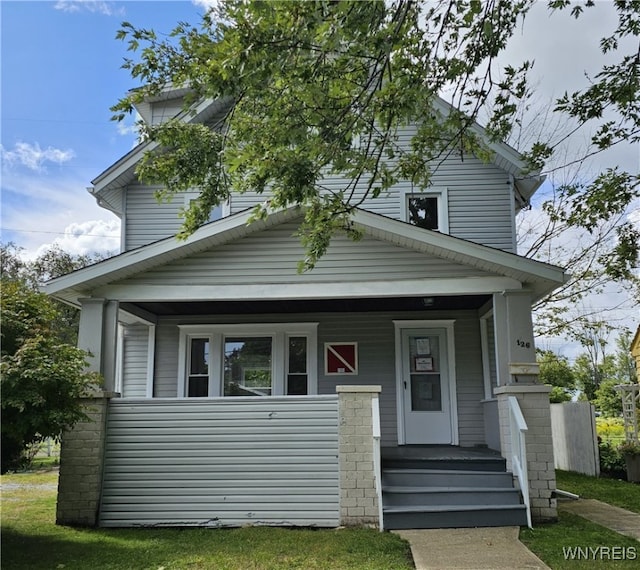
(612, 491)
(555, 543)
(31, 540)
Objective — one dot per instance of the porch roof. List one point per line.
(506, 270)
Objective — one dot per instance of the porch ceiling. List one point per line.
(451, 303)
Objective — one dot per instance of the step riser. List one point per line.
(453, 464)
(452, 479)
(449, 493)
(453, 497)
(399, 521)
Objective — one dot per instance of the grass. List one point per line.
(551, 542)
(612, 491)
(31, 540)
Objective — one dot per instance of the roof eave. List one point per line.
(540, 276)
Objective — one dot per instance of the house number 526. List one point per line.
(523, 343)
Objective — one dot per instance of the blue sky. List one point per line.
(61, 71)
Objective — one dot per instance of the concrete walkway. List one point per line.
(494, 548)
(622, 521)
(499, 548)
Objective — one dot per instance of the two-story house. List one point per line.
(393, 384)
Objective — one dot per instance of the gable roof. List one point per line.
(505, 157)
(122, 172)
(539, 277)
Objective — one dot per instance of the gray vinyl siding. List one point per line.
(470, 386)
(135, 355)
(114, 199)
(165, 382)
(375, 335)
(272, 256)
(479, 197)
(220, 463)
(162, 111)
(491, 345)
(148, 220)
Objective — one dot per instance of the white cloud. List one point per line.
(33, 157)
(126, 130)
(634, 217)
(92, 236)
(207, 4)
(567, 55)
(38, 211)
(97, 6)
(612, 302)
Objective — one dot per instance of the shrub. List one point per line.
(41, 378)
(612, 461)
(610, 429)
(629, 448)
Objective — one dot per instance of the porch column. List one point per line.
(81, 465)
(518, 376)
(513, 334)
(358, 496)
(97, 334)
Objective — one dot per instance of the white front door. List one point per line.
(426, 386)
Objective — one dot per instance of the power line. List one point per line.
(58, 233)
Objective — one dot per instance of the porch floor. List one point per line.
(438, 453)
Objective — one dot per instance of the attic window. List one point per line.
(216, 214)
(423, 211)
(427, 210)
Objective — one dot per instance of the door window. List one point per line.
(424, 373)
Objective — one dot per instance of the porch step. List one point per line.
(454, 464)
(411, 496)
(428, 497)
(454, 516)
(445, 478)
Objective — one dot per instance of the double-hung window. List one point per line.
(248, 360)
(428, 209)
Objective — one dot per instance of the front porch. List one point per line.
(438, 359)
(294, 461)
(434, 322)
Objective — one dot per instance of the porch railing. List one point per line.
(518, 430)
(377, 461)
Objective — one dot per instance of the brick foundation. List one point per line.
(81, 462)
(358, 497)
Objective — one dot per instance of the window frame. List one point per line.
(442, 196)
(191, 195)
(278, 332)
